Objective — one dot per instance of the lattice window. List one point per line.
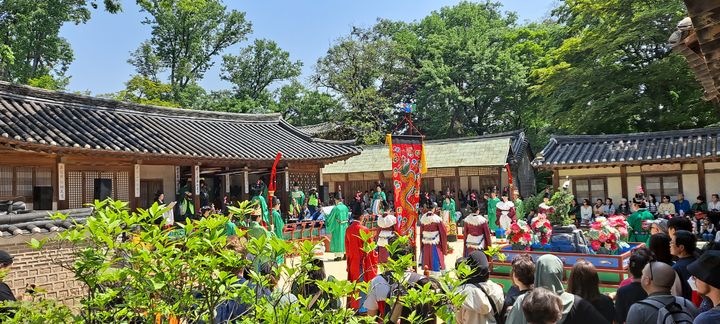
(445, 172)
(121, 190)
(306, 180)
(24, 181)
(75, 189)
(6, 181)
(89, 193)
(43, 177)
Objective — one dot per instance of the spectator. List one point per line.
(659, 225)
(698, 212)
(383, 285)
(678, 223)
(542, 306)
(707, 230)
(6, 261)
(586, 213)
(599, 208)
(309, 288)
(682, 206)
(707, 279)
(652, 204)
(666, 208)
(683, 246)
(714, 209)
(584, 282)
(657, 279)
(574, 212)
(483, 298)
(700, 205)
(660, 248)
(426, 312)
(624, 207)
(278, 297)
(608, 208)
(548, 275)
(523, 277)
(633, 291)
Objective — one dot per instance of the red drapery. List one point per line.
(407, 165)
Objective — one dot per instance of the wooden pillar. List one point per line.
(58, 183)
(556, 179)
(701, 178)
(196, 186)
(135, 185)
(246, 184)
(623, 181)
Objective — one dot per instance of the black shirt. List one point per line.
(605, 307)
(583, 312)
(6, 293)
(512, 295)
(627, 296)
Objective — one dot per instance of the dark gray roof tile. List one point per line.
(40, 119)
(639, 147)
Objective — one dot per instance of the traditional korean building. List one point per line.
(663, 163)
(459, 164)
(61, 150)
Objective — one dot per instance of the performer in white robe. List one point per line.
(386, 224)
(505, 213)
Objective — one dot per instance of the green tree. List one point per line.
(187, 35)
(355, 68)
(613, 72)
(257, 67)
(30, 44)
(302, 106)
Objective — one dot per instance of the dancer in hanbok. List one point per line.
(449, 217)
(477, 232)
(434, 241)
(386, 224)
(505, 213)
(544, 207)
(379, 199)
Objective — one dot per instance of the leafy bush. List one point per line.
(134, 271)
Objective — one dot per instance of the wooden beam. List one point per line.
(623, 181)
(701, 177)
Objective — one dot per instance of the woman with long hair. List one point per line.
(584, 282)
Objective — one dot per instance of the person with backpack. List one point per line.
(660, 307)
(707, 279)
(483, 298)
(549, 274)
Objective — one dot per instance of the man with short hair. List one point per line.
(682, 206)
(683, 246)
(657, 279)
(677, 224)
(633, 292)
(542, 306)
(707, 280)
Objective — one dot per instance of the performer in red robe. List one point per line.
(434, 241)
(477, 232)
(386, 231)
(361, 266)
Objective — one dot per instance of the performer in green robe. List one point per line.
(448, 207)
(278, 223)
(297, 200)
(639, 223)
(379, 199)
(262, 204)
(519, 206)
(336, 223)
(492, 211)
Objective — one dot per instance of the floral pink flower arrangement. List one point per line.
(542, 228)
(605, 234)
(520, 235)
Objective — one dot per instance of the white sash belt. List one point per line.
(431, 237)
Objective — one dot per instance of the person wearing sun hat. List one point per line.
(707, 279)
(6, 260)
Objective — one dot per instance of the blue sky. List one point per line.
(305, 28)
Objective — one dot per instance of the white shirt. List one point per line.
(477, 308)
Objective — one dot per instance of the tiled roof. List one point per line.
(43, 120)
(488, 150)
(623, 148)
(316, 129)
(40, 222)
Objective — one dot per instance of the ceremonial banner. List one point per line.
(408, 162)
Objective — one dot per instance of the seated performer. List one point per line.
(505, 212)
(477, 232)
(434, 241)
(386, 224)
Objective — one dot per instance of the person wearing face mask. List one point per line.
(707, 280)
